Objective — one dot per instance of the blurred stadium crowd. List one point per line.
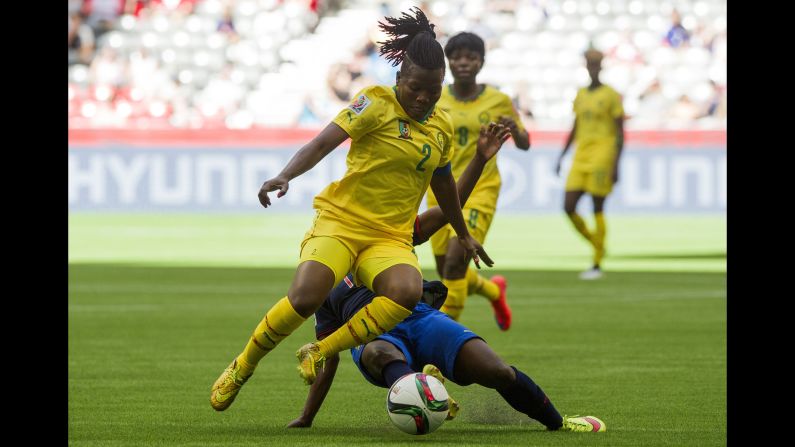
(154, 64)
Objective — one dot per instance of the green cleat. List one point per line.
(227, 386)
(310, 360)
(583, 424)
(452, 405)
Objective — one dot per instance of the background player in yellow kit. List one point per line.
(401, 144)
(471, 106)
(599, 132)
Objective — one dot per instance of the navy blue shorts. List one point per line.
(425, 336)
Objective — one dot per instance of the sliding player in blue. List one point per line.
(429, 340)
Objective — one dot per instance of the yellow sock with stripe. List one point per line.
(372, 320)
(599, 238)
(456, 297)
(279, 322)
(481, 286)
(579, 225)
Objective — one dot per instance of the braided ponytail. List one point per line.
(412, 38)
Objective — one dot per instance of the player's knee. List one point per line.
(498, 375)
(570, 208)
(406, 294)
(377, 355)
(455, 269)
(306, 299)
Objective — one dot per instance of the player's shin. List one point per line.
(456, 296)
(580, 226)
(279, 322)
(381, 315)
(599, 238)
(482, 286)
(395, 370)
(527, 397)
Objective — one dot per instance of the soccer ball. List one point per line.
(417, 403)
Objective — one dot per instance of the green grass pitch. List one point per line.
(159, 305)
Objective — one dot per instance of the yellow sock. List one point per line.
(599, 238)
(579, 224)
(280, 321)
(481, 286)
(456, 297)
(372, 320)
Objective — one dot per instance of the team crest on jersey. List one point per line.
(441, 139)
(359, 104)
(405, 130)
(484, 117)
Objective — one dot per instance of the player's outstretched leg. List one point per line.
(452, 405)
(587, 424)
(478, 363)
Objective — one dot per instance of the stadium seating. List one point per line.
(163, 69)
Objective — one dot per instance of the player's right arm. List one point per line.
(489, 143)
(566, 146)
(305, 159)
(317, 393)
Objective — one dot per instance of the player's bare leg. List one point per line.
(478, 363)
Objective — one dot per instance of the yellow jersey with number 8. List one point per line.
(467, 117)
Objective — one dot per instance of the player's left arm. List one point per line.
(519, 134)
(317, 393)
(443, 187)
(619, 120)
(490, 141)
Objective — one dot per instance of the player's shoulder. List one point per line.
(442, 118)
(611, 91)
(374, 94)
(493, 92)
(378, 92)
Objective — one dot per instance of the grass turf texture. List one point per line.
(159, 306)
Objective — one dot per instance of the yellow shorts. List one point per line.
(597, 181)
(478, 224)
(348, 247)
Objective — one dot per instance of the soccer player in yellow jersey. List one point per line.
(599, 131)
(471, 106)
(401, 144)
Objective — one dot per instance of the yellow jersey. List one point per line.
(390, 163)
(468, 116)
(596, 111)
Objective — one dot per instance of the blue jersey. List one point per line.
(346, 299)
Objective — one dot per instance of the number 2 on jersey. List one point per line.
(426, 150)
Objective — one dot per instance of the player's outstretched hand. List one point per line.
(279, 182)
(475, 250)
(508, 122)
(300, 423)
(491, 138)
